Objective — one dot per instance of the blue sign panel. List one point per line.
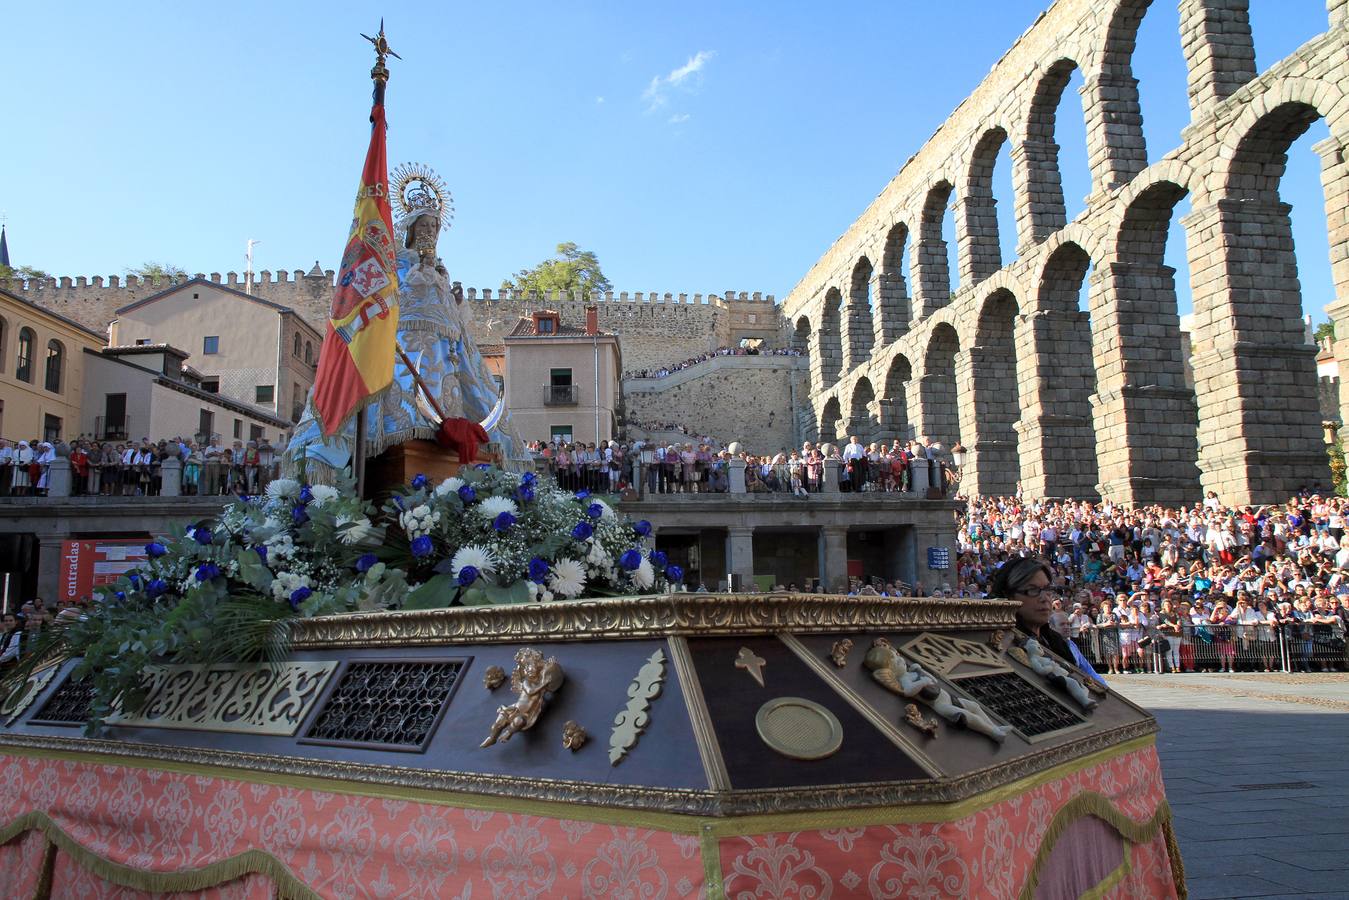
(938, 557)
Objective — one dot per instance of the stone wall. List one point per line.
(654, 329)
(1068, 402)
(730, 398)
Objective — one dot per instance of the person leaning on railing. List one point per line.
(1029, 580)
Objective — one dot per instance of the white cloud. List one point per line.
(679, 119)
(656, 93)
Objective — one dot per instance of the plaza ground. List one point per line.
(1256, 776)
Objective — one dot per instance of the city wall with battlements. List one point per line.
(654, 328)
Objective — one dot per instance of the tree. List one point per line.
(572, 269)
(153, 271)
(1323, 331)
(22, 273)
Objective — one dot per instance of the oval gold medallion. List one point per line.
(799, 728)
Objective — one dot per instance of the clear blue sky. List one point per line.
(696, 147)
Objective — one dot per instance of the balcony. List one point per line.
(560, 395)
(115, 429)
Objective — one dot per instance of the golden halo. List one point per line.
(414, 188)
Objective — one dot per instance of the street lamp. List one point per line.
(958, 455)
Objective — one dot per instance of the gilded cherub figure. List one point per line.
(534, 680)
(1045, 665)
(914, 682)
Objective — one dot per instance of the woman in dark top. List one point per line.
(1028, 580)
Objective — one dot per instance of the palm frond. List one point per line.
(250, 627)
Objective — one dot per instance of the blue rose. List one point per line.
(134, 578)
(675, 574)
(365, 562)
(298, 596)
(582, 531)
(398, 501)
(300, 515)
(202, 536)
(630, 559)
(482, 467)
(582, 494)
(244, 498)
(207, 571)
(261, 551)
(421, 546)
(467, 494)
(594, 510)
(157, 587)
(525, 493)
(120, 595)
(658, 559)
(503, 521)
(528, 478)
(419, 482)
(468, 575)
(155, 550)
(538, 569)
(643, 528)
(306, 495)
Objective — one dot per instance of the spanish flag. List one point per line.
(356, 361)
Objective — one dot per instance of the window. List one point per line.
(205, 426)
(23, 364)
(4, 334)
(210, 344)
(211, 385)
(308, 353)
(141, 342)
(546, 326)
(559, 377)
(561, 433)
(264, 393)
(56, 360)
(238, 429)
(255, 432)
(51, 428)
(296, 350)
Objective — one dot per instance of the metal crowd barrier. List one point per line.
(1215, 647)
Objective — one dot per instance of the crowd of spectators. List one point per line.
(131, 468)
(1179, 589)
(666, 371)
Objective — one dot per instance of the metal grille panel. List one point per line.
(1009, 696)
(386, 705)
(69, 705)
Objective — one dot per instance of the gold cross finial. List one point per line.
(381, 43)
(751, 663)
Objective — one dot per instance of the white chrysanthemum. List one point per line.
(449, 486)
(279, 488)
(323, 493)
(644, 575)
(286, 583)
(360, 531)
(491, 507)
(606, 511)
(480, 558)
(598, 555)
(568, 578)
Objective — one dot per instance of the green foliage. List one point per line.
(1324, 330)
(1337, 468)
(153, 271)
(22, 273)
(572, 269)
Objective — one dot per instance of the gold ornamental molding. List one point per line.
(630, 618)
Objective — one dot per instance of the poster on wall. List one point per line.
(86, 565)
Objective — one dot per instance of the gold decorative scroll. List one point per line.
(632, 618)
(944, 654)
(239, 697)
(632, 720)
(14, 705)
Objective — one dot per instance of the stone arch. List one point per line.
(1143, 409)
(1043, 210)
(827, 354)
(1114, 121)
(894, 402)
(1260, 435)
(932, 272)
(938, 413)
(980, 249)
(801, 335)
(1057, 379)
(858, 317)
(829, 421)
(893, 309)
(862, 419)
(990, 404)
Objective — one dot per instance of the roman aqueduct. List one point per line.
(1074, 403)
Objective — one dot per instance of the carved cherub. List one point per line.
(493, 677)
(573, 736)
(534, 679)
(915, 683)
(914, 717)
(1045, 665)
(839, 652)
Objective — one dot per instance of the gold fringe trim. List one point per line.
(250, 862)
(43, 889)
(1094, 804)
(1177, 863)
(1109, 882)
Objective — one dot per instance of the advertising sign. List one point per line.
(86, 565)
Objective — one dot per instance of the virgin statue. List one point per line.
(433, 333)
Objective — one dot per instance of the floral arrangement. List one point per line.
(228, 588)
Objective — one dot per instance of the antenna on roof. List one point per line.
(248, 270)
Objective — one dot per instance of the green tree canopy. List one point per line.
(571, 269)
(1325, 330)
(153, 271)
(22, 273)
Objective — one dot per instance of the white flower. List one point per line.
(644, 575)
(449, 486)
(491, 507)
(568, 578)
(547, 597)
(286, 583)
(597, 555)
(480, 558)
(323, 493)
(283, 487)
(360, 531)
